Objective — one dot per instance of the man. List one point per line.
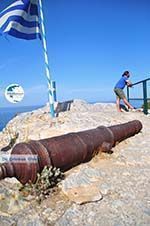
(118, 89)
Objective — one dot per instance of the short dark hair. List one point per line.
(126, 73)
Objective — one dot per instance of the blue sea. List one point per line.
(6, 114)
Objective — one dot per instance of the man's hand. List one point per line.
(129, 84)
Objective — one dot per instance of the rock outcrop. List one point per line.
(113, 188)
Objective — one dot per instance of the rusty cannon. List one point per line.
(65, 151)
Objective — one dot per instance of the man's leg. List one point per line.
(118, 104)
(127, 103)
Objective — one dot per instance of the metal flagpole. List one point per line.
(47, 69)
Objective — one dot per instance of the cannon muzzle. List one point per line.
(65, 151)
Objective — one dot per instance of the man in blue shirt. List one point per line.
(118, 89)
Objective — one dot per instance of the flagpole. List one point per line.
(47, 69)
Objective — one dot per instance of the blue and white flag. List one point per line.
(21, 19)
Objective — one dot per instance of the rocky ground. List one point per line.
(111, 189)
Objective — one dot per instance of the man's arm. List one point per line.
(129, 83)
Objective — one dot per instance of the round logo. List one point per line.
(14, 93)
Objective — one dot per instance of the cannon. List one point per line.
(65, 151)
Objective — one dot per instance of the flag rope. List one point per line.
(47, 69)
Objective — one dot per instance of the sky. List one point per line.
(90, 44)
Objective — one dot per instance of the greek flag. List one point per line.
(21, 19)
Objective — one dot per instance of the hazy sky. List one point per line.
(90, 44)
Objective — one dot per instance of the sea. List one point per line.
(7, 113)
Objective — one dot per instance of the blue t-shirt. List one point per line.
(122, 82)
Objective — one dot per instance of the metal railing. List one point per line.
(145, 97)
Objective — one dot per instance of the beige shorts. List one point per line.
(119, 93)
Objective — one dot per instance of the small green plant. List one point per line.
(12, 141)
(46, 183)
(148, 105)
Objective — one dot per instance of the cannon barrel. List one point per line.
(65, 151)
